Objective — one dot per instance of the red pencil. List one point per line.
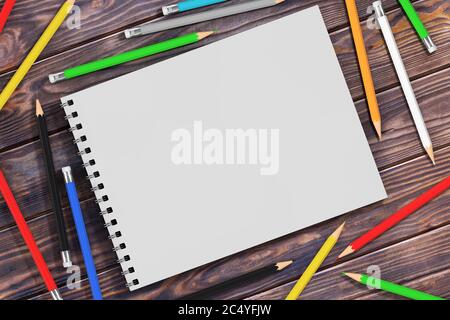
(401, 214)
(4, 14)
(28, 237)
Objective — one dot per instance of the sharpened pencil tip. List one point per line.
(354, 276)
(39, 110)
(338, 231)
(346, 252)
(377, 125)
(431, 154)
(203, 35)
(284, 264)
(279, 1)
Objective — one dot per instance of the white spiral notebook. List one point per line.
(224, 148)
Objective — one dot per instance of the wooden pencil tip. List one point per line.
(284, 264)
(347, 251)
(39, 110)
(203, 35)
(431, 154)
(279, 1)
(354, 276)
(338, 231)
(377, 125)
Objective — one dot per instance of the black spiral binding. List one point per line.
(98, 187)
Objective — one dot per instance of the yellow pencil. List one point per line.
(315, 264)
(35, 52)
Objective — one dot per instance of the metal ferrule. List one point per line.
(67, 263)
(130, 33)
(168, 10)
(56, 77)
(55, 295)
(429, 44)
(379, 12)
(67, 173)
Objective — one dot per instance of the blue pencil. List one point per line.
(82, 234)
(188, 5)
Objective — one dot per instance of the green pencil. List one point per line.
(418, 25)
(391, 287)
(128, 56)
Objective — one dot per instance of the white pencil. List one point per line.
(404, 80)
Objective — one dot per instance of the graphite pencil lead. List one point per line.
(39, 110)
(202, 35)
(284, 264)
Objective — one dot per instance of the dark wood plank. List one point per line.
(101, 18)
(403, 184)
(23, 168)
(401, 263)
(23, 165)
(16, 117)
(400, 138)
(437, 281)
(400, 144)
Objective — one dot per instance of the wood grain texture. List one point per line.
(23, 165)
(402, 186)
(101, 18)
(16, 116)
(401, 263)
(406, 172)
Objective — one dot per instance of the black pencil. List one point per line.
(247, 278)
(48, 158)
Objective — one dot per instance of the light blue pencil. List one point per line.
(188, 5)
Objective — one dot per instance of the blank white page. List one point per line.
(283, 75)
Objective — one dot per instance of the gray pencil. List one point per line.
(199, 17)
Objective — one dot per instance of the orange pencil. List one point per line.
(364, 65)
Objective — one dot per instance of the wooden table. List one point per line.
(415, 253)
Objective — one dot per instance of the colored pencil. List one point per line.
(391, 287)
(404, 80)
(35, 52)
(50, 168)
(364, 65)
(418, 25)
(186, 20)
(247, 278)
(188, 5)
(128, 56)
(401, 214)
(315, 264)
(25, 231)
(82, 233)
(4, 14)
